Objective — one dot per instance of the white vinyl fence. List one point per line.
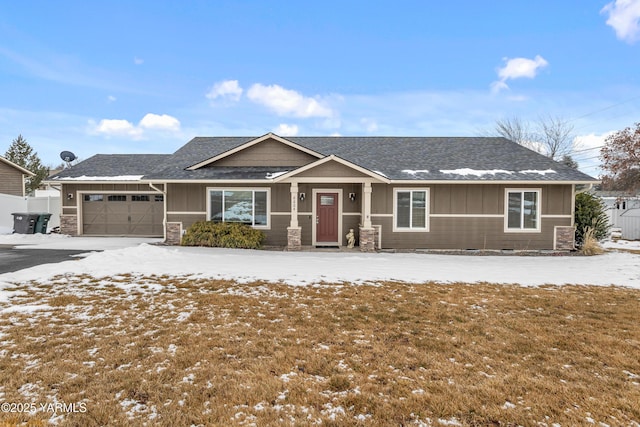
(624, 214)
(45, 204)
(627, 220)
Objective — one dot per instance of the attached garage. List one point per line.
(122, 214)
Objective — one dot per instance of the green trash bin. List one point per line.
(41, 224)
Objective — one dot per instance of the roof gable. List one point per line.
(267, 150)
(331, 167)
(17, 167)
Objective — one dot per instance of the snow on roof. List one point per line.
(475, 172)
(415, 172)
(539, 172)
(272, 175)
(100, 178)
(493, 172)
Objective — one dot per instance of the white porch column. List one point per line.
(366, 205)
(294, 205)
(294, 232)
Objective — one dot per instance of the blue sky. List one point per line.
(147, 76)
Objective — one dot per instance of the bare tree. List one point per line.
(555, 136)
(516, 130)
(621, 158)
(552, 136)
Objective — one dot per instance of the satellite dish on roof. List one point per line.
(68, 157)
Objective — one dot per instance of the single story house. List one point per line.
(394, 192)
(12, 178)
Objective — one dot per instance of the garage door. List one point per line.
(122, 214)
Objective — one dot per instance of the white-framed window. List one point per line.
(411, 209)
(522, 210)
(246, 205)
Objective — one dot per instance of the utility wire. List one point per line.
(604, 109)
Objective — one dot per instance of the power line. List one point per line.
(605, 108)
(587, 149)
(586, 158)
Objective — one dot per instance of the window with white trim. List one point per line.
(522, 210)
(411, 209)
(247, 206)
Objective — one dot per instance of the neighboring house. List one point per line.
(394, 192)
(12, 178)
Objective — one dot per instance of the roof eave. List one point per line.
(493, 181)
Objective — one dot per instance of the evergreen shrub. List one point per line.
(223, 235)
(590, 213)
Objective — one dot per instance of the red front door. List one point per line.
(327, 218)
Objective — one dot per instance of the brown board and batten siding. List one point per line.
(267, 153)
(471, 216)
(11, 180)
(187, 203)
(331, 169)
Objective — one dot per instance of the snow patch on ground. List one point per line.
(306, 268)
(63, 241)
(25, 308)
(633, 245)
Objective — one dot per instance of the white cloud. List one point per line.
(150, 122)
(591, 143)
(624, 17)
(111, 98)
(284, 129)
(229, 89)
(138, 61)
(286, 102)
(118, 127)
(497, 86)
(161, 122)
(516, 68)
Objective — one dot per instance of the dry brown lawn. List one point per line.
(178, 352)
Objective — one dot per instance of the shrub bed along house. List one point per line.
(223, 235)
(590, 213)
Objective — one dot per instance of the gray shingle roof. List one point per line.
(397, 158)
(111, 165)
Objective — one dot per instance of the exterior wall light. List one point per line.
(302, 196)
(352, 197)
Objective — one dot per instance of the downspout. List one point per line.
(164, 205)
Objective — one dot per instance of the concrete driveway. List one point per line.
(12, 259)
(19, 251)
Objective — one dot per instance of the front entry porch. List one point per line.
(330, 215)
